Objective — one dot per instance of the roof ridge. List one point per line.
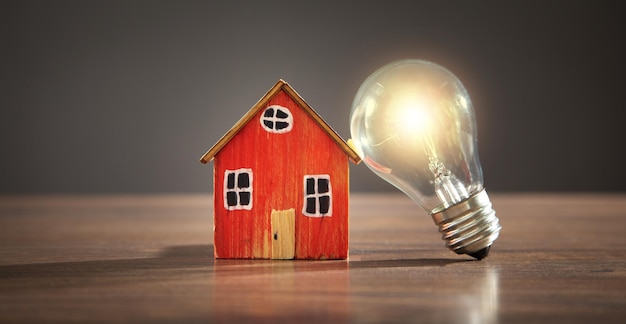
(280, 85)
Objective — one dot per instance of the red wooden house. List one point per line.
(281, 183)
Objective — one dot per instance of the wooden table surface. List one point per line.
(560, 258)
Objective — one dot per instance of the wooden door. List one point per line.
(283, 234)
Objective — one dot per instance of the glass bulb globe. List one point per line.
(413, 124)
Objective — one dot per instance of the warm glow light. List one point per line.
(412, 114)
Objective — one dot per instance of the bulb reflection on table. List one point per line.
(481, 304)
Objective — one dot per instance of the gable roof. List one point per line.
(280, 85)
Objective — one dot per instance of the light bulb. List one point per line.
(413, 124)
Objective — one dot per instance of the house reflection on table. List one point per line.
(264, 290)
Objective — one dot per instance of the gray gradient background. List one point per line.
(125, 96)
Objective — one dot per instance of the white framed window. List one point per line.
(238, 189)
(277, 119)
(318, 198)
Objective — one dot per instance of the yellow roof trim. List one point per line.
(281, 84)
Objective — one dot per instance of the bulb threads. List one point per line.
(470, 226)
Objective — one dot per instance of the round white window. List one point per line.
(277, 119)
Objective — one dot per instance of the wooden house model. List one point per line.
(281, 183)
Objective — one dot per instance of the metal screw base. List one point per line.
(470, 226)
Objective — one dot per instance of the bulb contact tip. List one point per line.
(469, 227)
(480, 254)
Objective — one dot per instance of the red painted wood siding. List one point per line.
(279, 163)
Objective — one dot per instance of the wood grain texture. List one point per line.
(561, 258)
